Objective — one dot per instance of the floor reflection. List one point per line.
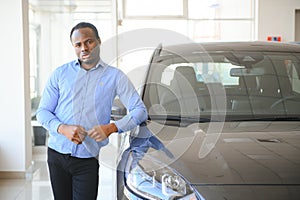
(37, 186)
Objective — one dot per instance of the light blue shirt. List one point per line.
(75, 96)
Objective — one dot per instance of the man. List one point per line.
(76, 107)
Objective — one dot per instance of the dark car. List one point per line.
(224, 123)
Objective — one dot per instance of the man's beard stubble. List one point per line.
(94, 56)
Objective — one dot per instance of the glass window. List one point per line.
(153, 8)
(294, 77)
(204, 72)
(226, 30)
(250, 83)
(220, 9)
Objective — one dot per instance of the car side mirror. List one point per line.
(118, 110)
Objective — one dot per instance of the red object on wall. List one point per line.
(274, 38)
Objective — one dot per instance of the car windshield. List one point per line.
(236, 85)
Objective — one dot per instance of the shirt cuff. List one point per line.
(125, 124)
(54, 126)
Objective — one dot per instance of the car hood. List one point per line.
(218, 157)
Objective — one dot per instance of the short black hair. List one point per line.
(85, 25)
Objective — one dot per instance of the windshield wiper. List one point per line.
(268, 118)
(178, 118)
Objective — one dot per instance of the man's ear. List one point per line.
(99, 40)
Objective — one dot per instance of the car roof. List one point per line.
(256, 46)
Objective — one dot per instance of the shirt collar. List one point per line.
(99, 64)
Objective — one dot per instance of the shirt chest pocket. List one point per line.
(105, 91)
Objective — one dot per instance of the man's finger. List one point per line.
(90, 132)
(93, 134)
(81, 135)
(76, 140)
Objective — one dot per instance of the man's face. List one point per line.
(87, 47)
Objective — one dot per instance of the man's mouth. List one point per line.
(85, 56)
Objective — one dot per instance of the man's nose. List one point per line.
(84, 47)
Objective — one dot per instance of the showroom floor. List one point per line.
(37, 185)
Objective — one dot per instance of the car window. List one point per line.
(251, 84)
(204, 72)
(293, 74)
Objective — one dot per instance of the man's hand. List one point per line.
(74, 133)
(101, 132)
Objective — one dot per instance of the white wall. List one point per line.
(15, 132)
(277, 18)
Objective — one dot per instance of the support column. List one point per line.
(15, 118)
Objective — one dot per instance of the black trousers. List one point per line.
(73, 178)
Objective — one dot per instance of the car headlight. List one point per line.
(156, 182)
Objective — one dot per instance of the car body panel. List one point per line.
(245, 153)
(247, 156)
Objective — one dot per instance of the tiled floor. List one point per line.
(37, 185)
